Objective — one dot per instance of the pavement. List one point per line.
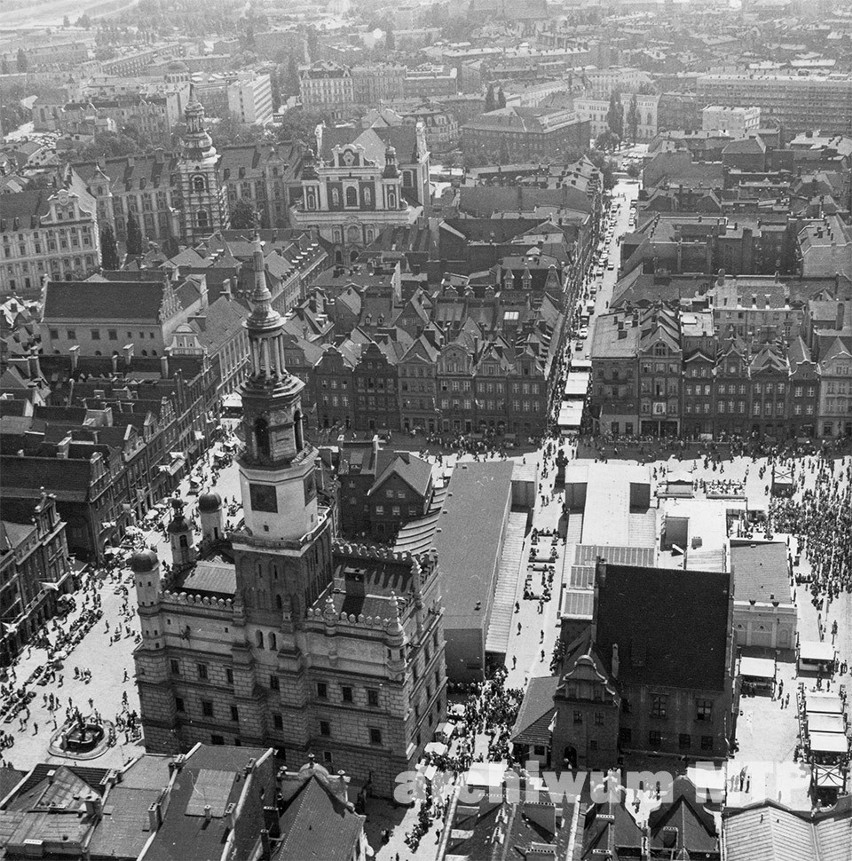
(107, 660)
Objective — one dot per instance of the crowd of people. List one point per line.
(821, 519)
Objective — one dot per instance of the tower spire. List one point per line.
(263, 318)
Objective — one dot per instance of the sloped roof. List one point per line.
(318, 825)
(103, 300)
(696, 827)
(771, 832)
(414, 471)
(532, 725)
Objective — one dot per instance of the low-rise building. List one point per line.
(735, 121)
(764, 612)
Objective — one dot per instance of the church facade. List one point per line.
(277, 633)
(360, 182)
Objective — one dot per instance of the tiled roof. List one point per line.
(771, 832)
(222, 323)
(27, 206)
(532, 726)
(103, 300)
(414, 471)
(318, 826)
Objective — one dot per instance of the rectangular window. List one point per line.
(599, 719)
(372, 698)
(325, 728)
(375, 736)
(273, 683)
(278, 722)
(322, 690)
(229, 677)
(202, 671)
(707, 742)
(54, 334)
(235, 714)
(346, 693)
(655, 739)
(684, 741)
(72, 334)
(112, 334)
(578, 717)
(96, 334)
(207, 708)
(179, 704)
(659, 704)
(175, 666)
(704, 710)
(263, 498)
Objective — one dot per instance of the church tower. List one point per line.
(204, 198)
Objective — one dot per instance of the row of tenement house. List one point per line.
(746, 370)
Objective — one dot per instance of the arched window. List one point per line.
(183, 542)
(311, 199)
(335, 197)
(297, 428)
(368, 196)
(198, 183)
(272, 642)
(261, 437)
(279, 604)
(391, 199)
(258, 637)
(351, 196)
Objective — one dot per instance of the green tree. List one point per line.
(292, 82)
(615, 115)
(313, 44)
(109, 250)
(275, 86)
(23, 63)
(501, 98)
(300, 125)
(243, 216)
(134, 236)
(606, 140)
(503, 156)
(490, 101)
(390, 41)
(633, 118)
